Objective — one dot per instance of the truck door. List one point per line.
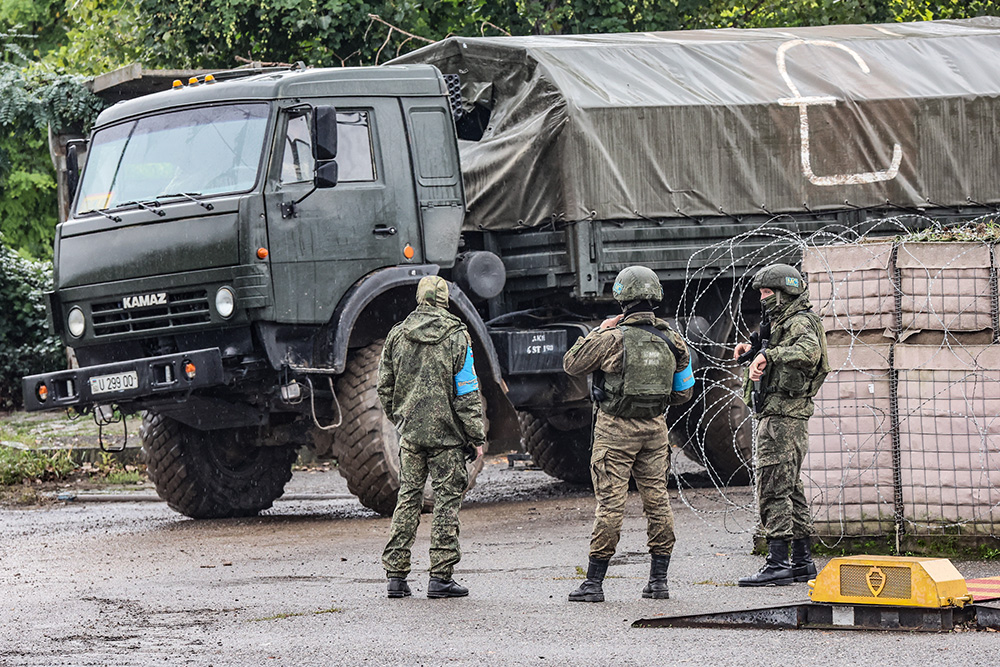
(322, 241)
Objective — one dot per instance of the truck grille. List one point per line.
(182, 308)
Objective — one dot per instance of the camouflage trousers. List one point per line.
(610, 468)
(446, 466)
(782, 443)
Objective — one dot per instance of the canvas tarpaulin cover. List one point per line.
(737, 122)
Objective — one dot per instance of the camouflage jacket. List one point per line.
(427, 381)
(793, 355)
(603, 350)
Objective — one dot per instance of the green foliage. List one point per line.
(25, 465)
(26, 347)
(40, 24)
(27, 192)
(981, 230)
(34, 98)
(216, 33)
(90, 47)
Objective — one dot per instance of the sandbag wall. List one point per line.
(905, 441)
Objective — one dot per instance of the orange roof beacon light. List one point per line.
(209, 78)
(193, 81)
(408, 251)
(261, 253)
(177, 84)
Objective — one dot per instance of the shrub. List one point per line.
(24, 465)
(26, 346)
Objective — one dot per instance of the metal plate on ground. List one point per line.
(825, 617)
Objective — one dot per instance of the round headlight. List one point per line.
(76, 322)
(225, 302)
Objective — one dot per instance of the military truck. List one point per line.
(237, 251)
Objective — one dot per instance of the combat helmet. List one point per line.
(637, 283)
(780, 277)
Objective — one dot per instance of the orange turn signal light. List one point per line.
(42, 392)
(261, 253)
(190, 371)
(408, 251)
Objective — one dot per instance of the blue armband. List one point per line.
(466, 380)
(684, 379)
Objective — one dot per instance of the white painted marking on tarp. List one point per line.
(803, 103)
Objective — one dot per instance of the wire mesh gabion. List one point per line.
(905, 439)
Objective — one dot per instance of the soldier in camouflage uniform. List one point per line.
(788, 369)
(428, 388)
(640, 366)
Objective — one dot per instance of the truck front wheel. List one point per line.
(564, 455)
(213, 474)
(368, 442)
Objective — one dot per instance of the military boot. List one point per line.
(657, 586)
(803, 567)
(445, 588)
(398, 588)
(591, 590)
(777, 571)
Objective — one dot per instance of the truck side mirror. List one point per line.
(324, 147)
(72, 171)
(324, 131)
(326, 174)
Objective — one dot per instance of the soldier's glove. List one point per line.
(470, 452)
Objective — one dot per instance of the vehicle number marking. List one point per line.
(115, 382)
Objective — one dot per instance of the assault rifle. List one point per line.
(758, 343)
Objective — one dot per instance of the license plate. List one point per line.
(106, 384)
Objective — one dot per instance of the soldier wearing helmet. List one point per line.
(428, 387)
(640, 367)
(787, 364)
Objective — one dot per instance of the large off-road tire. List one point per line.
(213, 474)
(564, 455)
(719, 427)
(368, 442)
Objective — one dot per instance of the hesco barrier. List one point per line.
(905, 442)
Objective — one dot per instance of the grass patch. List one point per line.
(125, 477)
(18, 466)
(277, 617)
(50, 429)
(41, 453)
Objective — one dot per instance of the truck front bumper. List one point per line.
(124, 382)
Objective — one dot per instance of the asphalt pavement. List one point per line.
(133, 583)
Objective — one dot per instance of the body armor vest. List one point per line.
(642, 389)
(794, 382)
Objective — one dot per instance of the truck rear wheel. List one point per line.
(564, 455)
(368, 442)
(213, 474)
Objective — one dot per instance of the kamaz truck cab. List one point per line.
(235, 246)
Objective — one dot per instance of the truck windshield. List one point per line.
(208, 151)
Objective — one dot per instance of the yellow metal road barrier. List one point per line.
(890, 580)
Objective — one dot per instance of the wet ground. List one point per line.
(133, 583)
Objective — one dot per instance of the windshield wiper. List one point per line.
(102, 211)
(193, 196)
(155, 208)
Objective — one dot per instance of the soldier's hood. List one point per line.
(430, 324)
(789, 308)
